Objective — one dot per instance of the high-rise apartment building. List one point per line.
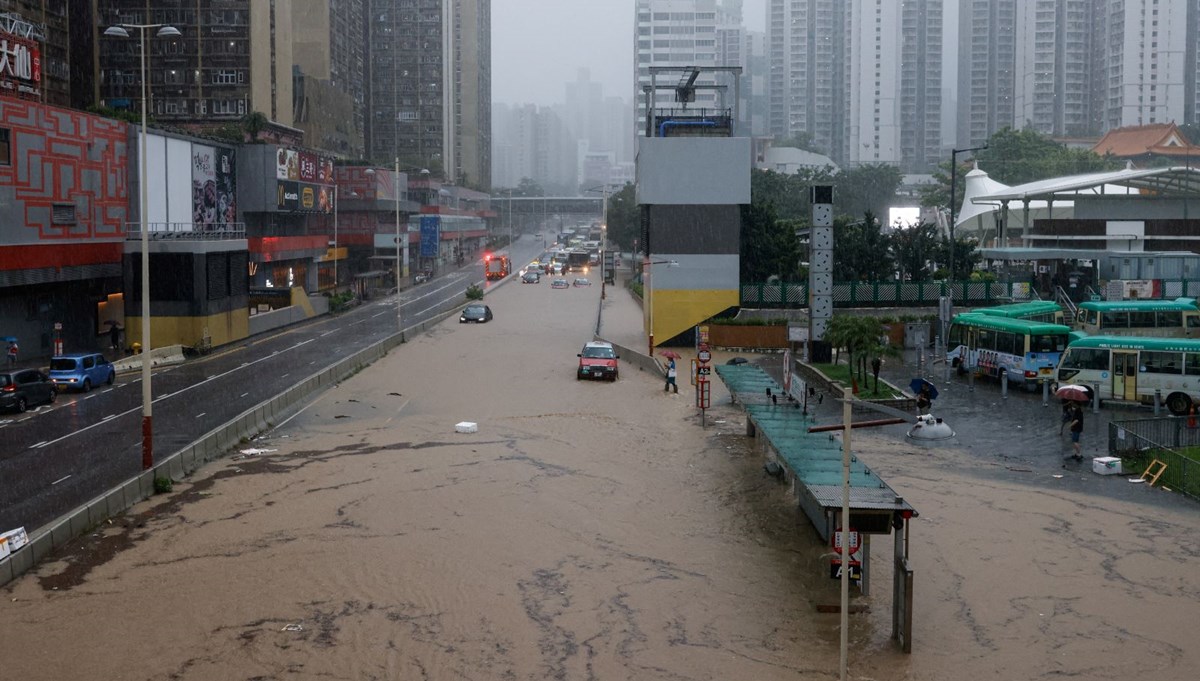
(1150, 76)
(429, 95)
(675, 33)
(1076, 67)
(986, 69)
(1052, 53)
(862, 77)
(807, 56)
(231, 59)
(328, 49)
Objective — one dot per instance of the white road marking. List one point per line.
(59, 480)
(110, 416)
(201, 414)
(242, 395)
(43, 443)
(161, 398)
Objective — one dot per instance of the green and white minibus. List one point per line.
(1022, 351)
(1179, 318)
(1132, 368)
(1034, 310)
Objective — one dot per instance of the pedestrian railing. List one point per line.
(926, 294)
(887, 293)
(1174, 440)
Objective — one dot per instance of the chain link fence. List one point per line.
(1174, 440)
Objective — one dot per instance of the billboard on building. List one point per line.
(430, 236)
(20, 67)
(214, 199)
(304, 181)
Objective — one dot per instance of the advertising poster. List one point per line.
(287, 165)
(308, 166)
(430, 237)
(213, 190)
(287, 196)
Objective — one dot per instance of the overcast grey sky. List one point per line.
(540, 45)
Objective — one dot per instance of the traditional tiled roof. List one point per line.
(1161, 139)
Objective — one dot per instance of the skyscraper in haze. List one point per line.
(685, 33)
(862, 77)
(986, 69)
(430, 86)
(1076, 67)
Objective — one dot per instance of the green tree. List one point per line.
(624, 219)
(966, 257)
(788, 192)
(861, 251)
(801, 139)
(769, 246)
(916, 247)
(1019, 156)
(870, 187)
(253, 124)
(859, 336)
(528, 187)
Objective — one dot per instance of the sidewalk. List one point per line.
(621, 320)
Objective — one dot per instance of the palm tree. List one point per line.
(859, 335)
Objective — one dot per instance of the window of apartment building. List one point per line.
(5, 147)
(227, 77)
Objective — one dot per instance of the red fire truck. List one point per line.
(495, 266)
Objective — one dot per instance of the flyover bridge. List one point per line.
(528, 212)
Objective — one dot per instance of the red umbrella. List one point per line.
(1075, 393)
(670, 354)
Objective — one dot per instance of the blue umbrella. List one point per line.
(918, 383)
(9, 339)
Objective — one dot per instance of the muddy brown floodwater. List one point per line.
(587, 531)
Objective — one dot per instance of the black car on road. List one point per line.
(477, 313)
(23, 388)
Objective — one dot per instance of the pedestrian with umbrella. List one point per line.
(1074, 395)
(926, 393)
(12, 351)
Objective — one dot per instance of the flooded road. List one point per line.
(587, 531)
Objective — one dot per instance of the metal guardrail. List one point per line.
(158, 231)
(1137, 442)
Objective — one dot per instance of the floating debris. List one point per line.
(292, 627)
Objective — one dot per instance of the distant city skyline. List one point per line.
(538, 47)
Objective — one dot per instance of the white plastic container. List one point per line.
(1106, 465)
(466, 427)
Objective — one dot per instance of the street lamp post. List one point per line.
(953, 199)
(164, 31)
(336, 201)
(401, 268)
(647, 266)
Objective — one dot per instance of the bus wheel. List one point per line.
(1179, 404)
